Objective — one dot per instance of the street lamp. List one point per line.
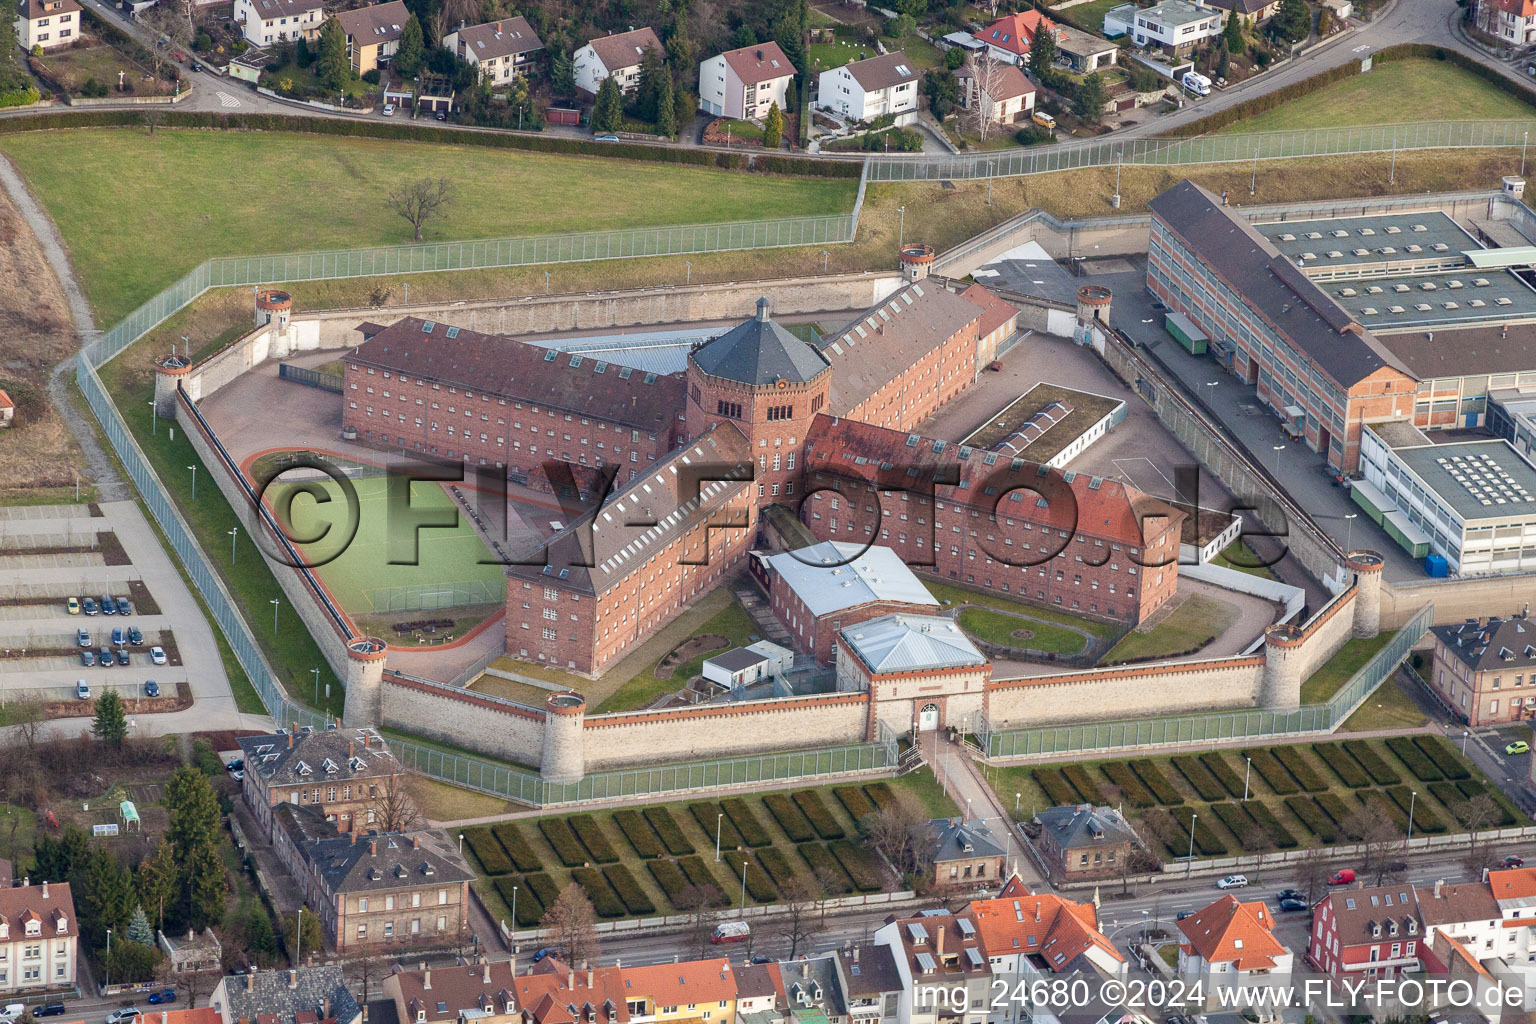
(461, 844)
(1190, 863)
(1524, 138)
(154, 416)
(1464, 734)
(1349, 530)
(825, 256)
(1016, 798)
(514, 916)
(317, 704)
(688, 272)
(1253, 180)
(194, 482)
(1247, 774)
(743, 887)
(298, 939)
(719, 819)
(275, 604)
(1278, 449)
(901, 231)
(1210, 385)
(1412, 796)
(108, 965)
(234, 536)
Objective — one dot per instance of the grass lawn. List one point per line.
(1169, 951)
(1238, 555)
(1089, 15)
(1390, 707)
(998, 628)
(450, 803)
(17, 826)
(1321, 685)
(1397, 92)
(1191, 626)
(74, 66)
(732, 622)
(944, 593)
(128, 242)
(511, 689)
(826, 56)
(922, 53)
(742, 129)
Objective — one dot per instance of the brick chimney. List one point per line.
(325, 1008)
(45, 888)
(293, 978)
(426, 978)
(940, 946)
(354, 837)
(290, 734)
(373, 848)
(570, 981)
(589, 977)
(351, 750)
(250, 981)
(415, 842)
(485, 977)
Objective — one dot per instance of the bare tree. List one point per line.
(986, 73)
(895, 832)
(392, 808)
(365, 968)
(694, 901)
(1312, 871)
(798, 924)
(1253, 836)
(1380, 838)
(1137, 861)
(420, 200)
(453, 14)
(1474, 815)
(174, 22)
(26, 718)
(574, 924)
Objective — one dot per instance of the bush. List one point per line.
(1376, 800)
(529, 910)
(1161, 788)
(1444, 756)
(1131, 787)
(591, 835)
(858, 863)
(493, 860)
(789, 817)
(567, 847)
(1309, 814)
(854, 801)
(669, 876)
(1334, 807)
(1417, 761)
(1271, 770)
(371, 77)
(1217, 765)
(819, 815)
(640, 834)
(604, 900)
(834, 880)
(740, 815)
(1424, 817)
(516, 844)
(1301, 769)
(1344, 766)
(636, 902)
(759, 886)
(710, 817)
(1371, 761)
(1083, 782)
(93, 88)
(1206, 842)
(543, 887)
(1278, 833)
(1055, 786)
(777, 866)
(1199, 777)
(880, 794)
(666, 827)
(698, 874)
(1031, 135)
(1234, 817)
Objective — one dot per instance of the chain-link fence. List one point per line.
(432, 596)
(1204, 149)
(1216, 726)
(313, 378)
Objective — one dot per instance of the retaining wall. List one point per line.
(1164, 689)
(463, 718)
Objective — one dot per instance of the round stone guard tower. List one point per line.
(1092, 310)
(563, 759)
(273, 305)
(169, 372)
(1280, 688)
(916, 261)
(365, 677)
(1367, 569)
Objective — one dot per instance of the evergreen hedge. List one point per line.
(742, 816)
(1295, 761)
(789, 817)
(826, 869)
(604, 900)
(854, 801)
(567, 847)
(1218, 766)
(511, 838)
(1199, 777)
(639, 833)
(636, 902)
(818, 814)
(1343, 764)
(1149, 773)
(667, 829)
(858, 863)
(591, 835)
(493, 859)
(1371, 761)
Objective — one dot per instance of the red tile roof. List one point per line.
(1045, 924)
(1229, 930)
(1518, 8)
(5, 400)
(1016, 32)
(28, 903)
(1515, 883)
(996, 312)
(757, 64)
(693, 981)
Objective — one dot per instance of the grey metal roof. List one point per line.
(830, 576)
(284, 994)
(911, 643)
(1370, 240)
(760, 352)
(737, 659)
(1494, 644)
(1074, 826)
(1475, 479)
(953, 839)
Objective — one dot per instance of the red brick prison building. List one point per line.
(616, 575)
(490, 400)
(1081, 543)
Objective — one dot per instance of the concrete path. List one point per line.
(961, 779)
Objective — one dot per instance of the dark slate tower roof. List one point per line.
(759, 352)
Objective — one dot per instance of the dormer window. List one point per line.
(34, 928)
(303, 769)
(330, 766)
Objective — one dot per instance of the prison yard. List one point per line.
(660, 859)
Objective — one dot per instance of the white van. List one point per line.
(1195, 82)
(731, 931)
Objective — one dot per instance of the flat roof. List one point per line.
(1514, 256)
(1476, 479)
(1339, 241)
(1427, 300)
(1054, 430)
(831, 576)
(1178, 12)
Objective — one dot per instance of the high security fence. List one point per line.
(428, 597)
(1204, 149)
(313, 378)
(1217, 726)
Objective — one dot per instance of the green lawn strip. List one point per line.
(1332, 674)
(998, 628)
(1390, 707)
(949, 594)
(1191, 626)
(332, 188)
(732, 622)
(1238, 555)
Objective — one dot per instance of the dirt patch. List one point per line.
(688, 650)
(1023, 634)
(138, 593)
(131, 705)
(167, 643)
(112, 549)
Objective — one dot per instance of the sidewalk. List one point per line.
(958, 775)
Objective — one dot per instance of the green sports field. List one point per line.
(388, 558)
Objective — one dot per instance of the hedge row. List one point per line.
(529, 910)
(1424, 817)
(1205, 840)
(1314, 817)
(567, 847)
(512, 839)
(493, 859)
(1295, 761)
(1200, 777)
(716, 823)
(1470, 788)
(827, 871)
(774, 862)
(1344, 766)
(667, 829)
(789, 818)
(636, 902)
(1055, 786)
(1278, 833)
(1083, 782)
(854, 801)
(1271, 770)
(1417, 761)
(1149, 773)
(820, 816)
(1218, 766)
(1444, 757)
(604, 900)
(698, 874)
(1376, 800)
(1233, 816)
(1334, 807)
(669, 876)
(591, 835)
(858, 863)
(543, 887)
(640, 834)
(740, 815)
(759, 885)
(880, 793)
(1131, 787)
(1371, 761)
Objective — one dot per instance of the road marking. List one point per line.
(1360, 49)
(226, 100)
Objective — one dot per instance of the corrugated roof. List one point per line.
(759, 352)
(831, 576)
(911, 643)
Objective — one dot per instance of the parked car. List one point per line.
(157, 655)
(1290, 894)
(88, 658)
(83, 637)
(118, 636)
(73, 604)
(48, 1010)
(1514, 862)
(1183, 914)
(11, 1011)
(195, 67)
(1232, 882)
(135, 638)
(82, 690)
(1333, 476)
(235, 765)
(389, 110)
(123, 607)
(122, 657)
(546, 951)
(1518, 747)
(165, 995)
(237, 774)
(127, 1015)
(605, 138)
(105, 657)
(108, 606)
(151, 688)
(1290, 903)
(90, 606)
(1343, 877)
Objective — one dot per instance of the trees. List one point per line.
(64, 858)
(893, 832)
(773, 128)
(207, 888)
(191, 835)
(1232, 32)
(411, 56)
(131, 962)
(1381, 841)
(702, 918)
(420, 200)
(1312, 871)
(104, 897)
(562, 73)
(666, 106)
(1090, 97)
(986, 73)
(392, 807)
(138, 927)
(954, 58)
(299, 937)
(155, 882)
(1042, 58)
(333, 67)
(942, 92)
(1474, 815)
(653, 69)
(608, 107)
(799, 898)
(573, 923)
(110, 724)
(1292, 22)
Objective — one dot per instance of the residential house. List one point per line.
(47, 23)
(871, 88)
(1514, 893)
(549, 992)
(373, 33)
(1086, 52)
(1256, 12)
(694, 990)
(1042, 933)
(1477, 917)
(963, 852)
(192, 953)
(1370, 931)
(745, 83)
(617, 55)
(1083, 841)
(1009, 38)
(501, 50)
(943, 967)
(1233, 940)
(758, 993)
(7, 416)
(1485, 669)
(870, 982)
(378, 890)
(187, 1015)
(1003, 93)
(265, 22)
(810, 991)
(1510, 21)
(304, 995)
(38, 938)
(1176, 26)
(345, 772)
